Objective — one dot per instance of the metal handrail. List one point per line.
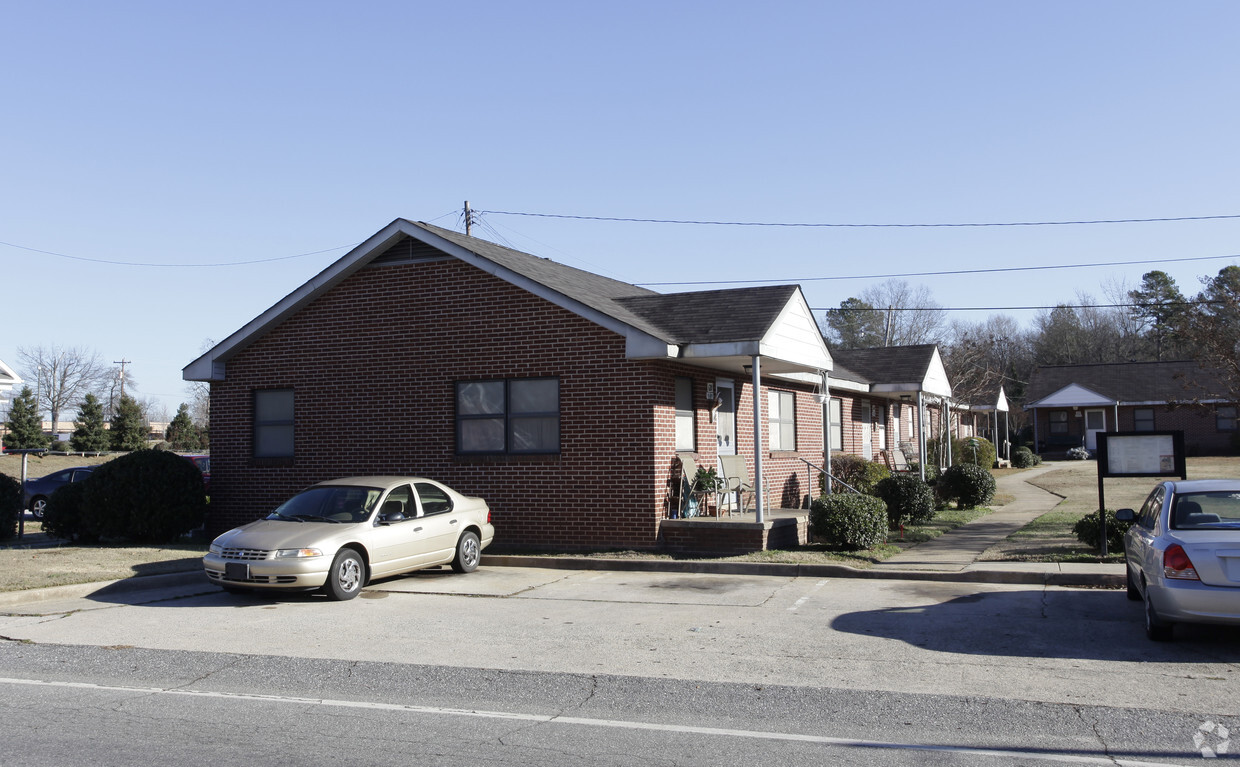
(830, 476)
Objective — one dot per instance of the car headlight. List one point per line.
(215, 548)
(298, 553)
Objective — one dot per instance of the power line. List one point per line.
(854, 225)
(886, 309)
(187, 266)
(942, 273)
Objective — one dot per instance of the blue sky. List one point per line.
(195, 135)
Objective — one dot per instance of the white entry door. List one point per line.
(725, 416)
(1095, 421)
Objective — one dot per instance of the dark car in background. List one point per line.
(40, 489)
(203, 462)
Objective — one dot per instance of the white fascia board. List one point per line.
(936, 381)
(898, 388)
(839, 384)
(8, 376)
(794, 336)
(1073, 395)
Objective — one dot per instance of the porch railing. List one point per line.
(832, 478)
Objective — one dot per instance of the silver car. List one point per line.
(1183, 554)
(339, 535)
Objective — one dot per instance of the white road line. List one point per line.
(805, 598)
(1014, 753)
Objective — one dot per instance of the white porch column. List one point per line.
(757, 439)
(923, 423)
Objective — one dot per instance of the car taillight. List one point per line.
(1176, 564)
(488, 516)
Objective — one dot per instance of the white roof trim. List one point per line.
(1073, 395)
(8, 377)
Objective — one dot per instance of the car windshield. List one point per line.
(1206, 510)
(334, 503)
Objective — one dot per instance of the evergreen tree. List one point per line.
(129, 428)
(25, 425)
(1160, 308)
(183, 434)
(90, 434)
(855, 325)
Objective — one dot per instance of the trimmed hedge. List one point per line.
(968, 485)
(1023, 458)
(1087, 532)
(908, 499)
(849, 520)
(10, 506)
(65, 517)
(962, 453)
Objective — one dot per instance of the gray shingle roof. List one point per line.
(1179, 380)
(887, 364)
(710, 316)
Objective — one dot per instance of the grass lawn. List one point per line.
(36, 568)
(1049, 538)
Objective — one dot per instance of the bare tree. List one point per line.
(909, 314)
(63, 376)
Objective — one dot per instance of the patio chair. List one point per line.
(692, 496)
(736, 480)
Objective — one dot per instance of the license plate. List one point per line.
(236, 571)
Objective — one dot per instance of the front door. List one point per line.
(725, 416)
(880, 423)
(1095, 421)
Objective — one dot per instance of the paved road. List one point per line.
(941, 656)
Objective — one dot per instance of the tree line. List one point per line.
(1153, 321)
(76, 380)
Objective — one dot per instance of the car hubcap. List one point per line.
(469, 551)
(38, 508)
(350, 574)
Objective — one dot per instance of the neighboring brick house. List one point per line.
(886, 398)
(1071, 404)
(558, 395)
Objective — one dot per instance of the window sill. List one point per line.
(272, 463)
(508, 458)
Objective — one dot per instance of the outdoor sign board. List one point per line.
(1136, 454)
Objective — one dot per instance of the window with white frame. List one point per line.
(835, 419)
(782, 420)
(1143, 419)
(686, 418)
(512, 416)
(1059, 421)
(273, 423)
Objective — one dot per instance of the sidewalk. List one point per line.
(957, 551)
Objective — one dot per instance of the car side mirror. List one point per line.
(1125, 515)
(391, 516)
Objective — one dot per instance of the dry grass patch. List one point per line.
(36, 568)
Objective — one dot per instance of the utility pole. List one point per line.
(469, 220)
(122, 362)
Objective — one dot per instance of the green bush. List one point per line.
(967, 485)
(65, 516)
(1087, 532)
(858, 473)
(10, 506)
(908, 499)
(963, 452)
(849, 520)
(1023, 458)
(148, 496)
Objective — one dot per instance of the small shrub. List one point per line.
(849, 520)
(968, 485)
(908, 499)
(858, 473)
(10, 506)
(1023, 458)
(971, 450)
(1087, 531)
(148, 496)
(1078, 454)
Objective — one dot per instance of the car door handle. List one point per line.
(417, 529)
(454, 522)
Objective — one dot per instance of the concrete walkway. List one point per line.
(957, 551)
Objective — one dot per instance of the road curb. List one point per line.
(791, 570)
(101, 588)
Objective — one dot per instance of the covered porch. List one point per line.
(740, 533)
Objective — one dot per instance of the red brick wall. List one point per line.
(1201, 434)
(373, 364)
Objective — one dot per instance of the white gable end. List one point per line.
(1072, 395)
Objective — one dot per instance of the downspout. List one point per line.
(1115, 426)
(921, 434)
(757, 439)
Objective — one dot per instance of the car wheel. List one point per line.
(1134, 593)
(38, 505)
(1156, 628)
(345, 579)
(468, 553)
